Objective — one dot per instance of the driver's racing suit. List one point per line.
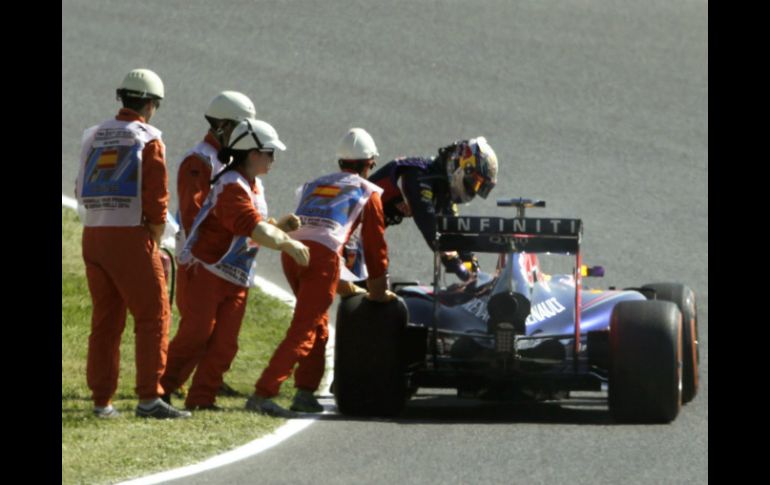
(417, 187)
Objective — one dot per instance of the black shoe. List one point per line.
(305, 402)
(266, 406)
(225, 390)
(161, 410)
(166, 398)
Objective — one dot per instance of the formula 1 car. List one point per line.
(516, 334)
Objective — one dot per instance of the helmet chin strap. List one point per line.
(219, 134)
(219, 131)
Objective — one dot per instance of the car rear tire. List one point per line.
(645, 379)
(369, 357)
(684, 298)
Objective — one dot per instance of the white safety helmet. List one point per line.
(357, 144)
(231, 105)
(472, 169)
(141, 83)
(251, 134)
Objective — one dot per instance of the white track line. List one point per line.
(69, 202)
(250, 449)
(292, 427)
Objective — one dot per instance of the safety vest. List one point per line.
(208, 154)
(238, 262)
(110, 176)
(329, 205)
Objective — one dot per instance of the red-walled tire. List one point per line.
(684, 298)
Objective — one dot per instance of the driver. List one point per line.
(425, 187)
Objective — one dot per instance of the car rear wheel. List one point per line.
(369, 357)
(645, 379)
(684, 298)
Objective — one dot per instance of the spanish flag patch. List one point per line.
(326, 191)
(108, 158)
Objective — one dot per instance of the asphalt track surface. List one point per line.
(598, 107)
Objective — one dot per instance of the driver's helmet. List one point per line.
(472, 169)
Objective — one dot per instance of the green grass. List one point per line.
(104, 451)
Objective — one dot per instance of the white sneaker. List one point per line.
(107, 412)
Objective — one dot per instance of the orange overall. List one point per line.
(124, 272)
(192, 187)
(315, 287)
(213, 311)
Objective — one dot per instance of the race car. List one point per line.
(520, 333)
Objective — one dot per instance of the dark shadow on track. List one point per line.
(447, 409)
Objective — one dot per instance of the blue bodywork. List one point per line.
(466, 344)
(552, 299)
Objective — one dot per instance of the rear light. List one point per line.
(504, 337)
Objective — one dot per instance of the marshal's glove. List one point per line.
(287, 223)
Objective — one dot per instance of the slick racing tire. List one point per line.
(684, 298)
(645, 362)
(369, 352)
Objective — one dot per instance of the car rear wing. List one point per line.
(502, 235)
(499, 234)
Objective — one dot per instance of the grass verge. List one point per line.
(104, 451)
